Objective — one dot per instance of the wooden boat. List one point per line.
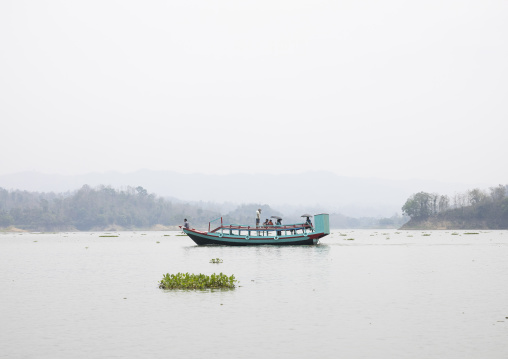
(279, 235)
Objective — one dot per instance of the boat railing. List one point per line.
(214, 220)
(271, 226)
(305, 227)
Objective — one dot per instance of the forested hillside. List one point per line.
(474, 209)
(105, 208)
(94, 208)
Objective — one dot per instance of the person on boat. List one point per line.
(279, 223)
(308, 222)
(265, 224)
(270, 223)
(185, 224)
(258, 217)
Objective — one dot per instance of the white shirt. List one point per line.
(258, 214)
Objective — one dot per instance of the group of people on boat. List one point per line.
(269, 222)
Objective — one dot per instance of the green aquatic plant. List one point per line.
(455, 234)
(216, 260)
(196, 281)
(108, 236)
(350, 239)
(157, 242)
(471, 233)
(342, 234)
(426, 234)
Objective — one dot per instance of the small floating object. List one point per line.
(471, 233)
(108, 236)
(216, 260)
(350, 239)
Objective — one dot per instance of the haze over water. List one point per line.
(385, 294)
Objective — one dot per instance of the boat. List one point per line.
(241, 235)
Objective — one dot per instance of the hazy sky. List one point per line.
(389, 89)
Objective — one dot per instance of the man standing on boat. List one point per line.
(258, 217)
(185, 224)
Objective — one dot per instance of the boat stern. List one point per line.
(322, 223)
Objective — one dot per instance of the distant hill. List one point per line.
(474, 209)
(311, 190)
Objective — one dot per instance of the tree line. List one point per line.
(93, 208)
(473, 208)
(103, 207)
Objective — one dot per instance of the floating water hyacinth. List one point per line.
(216, 260)
(196, 281)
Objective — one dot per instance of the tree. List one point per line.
(444, 203)
(419, 205)
(498, 193)
(476, 196)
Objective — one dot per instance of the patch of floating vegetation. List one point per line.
(426, 234)
(167, 235)
(216, 260)
(196, 281)
(181, 235)
(350, 239)
(410, 235)
(455, 234)
(342, 234)
(109, 235)
(471, 233)
(157, 242)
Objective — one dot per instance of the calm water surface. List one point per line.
(385, 294)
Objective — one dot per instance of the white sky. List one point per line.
(388, 89)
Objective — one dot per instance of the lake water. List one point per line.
(385, 294)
